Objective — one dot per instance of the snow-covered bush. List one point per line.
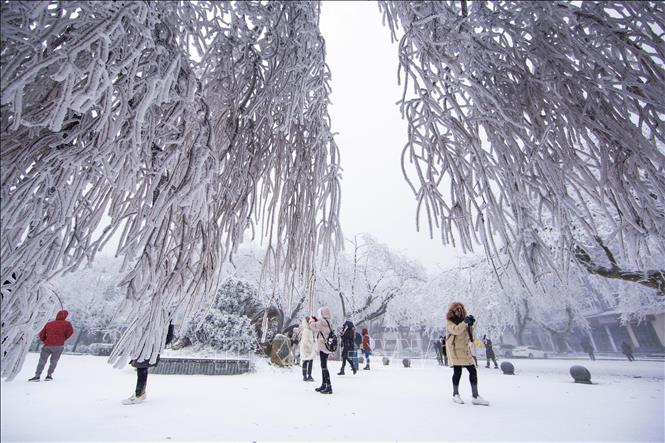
(226, 325)
(223, 331)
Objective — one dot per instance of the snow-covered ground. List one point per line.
(388, 403)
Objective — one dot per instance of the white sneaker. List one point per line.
(458, 399)
(480, 401)
(134, 399)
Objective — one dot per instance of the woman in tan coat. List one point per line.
(459, 332)
(321, 327)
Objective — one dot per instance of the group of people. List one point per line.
(315, 338)
(55, 333)
(587, 347)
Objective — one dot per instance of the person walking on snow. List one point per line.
(307, 349)
(588, 348)
(627, 351)
(444, 351)
(438, 348)
(367, 348)
(459, 332)
(142, 373)
(53, 336)
(321, 328)
(348, 335)
(489, 352)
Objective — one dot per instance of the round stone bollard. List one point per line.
(406, 362)
(507, 368)
(580, 374)
(386, 361)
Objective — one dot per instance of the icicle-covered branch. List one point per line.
(185, 123)
(530, 114)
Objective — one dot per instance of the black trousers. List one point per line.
(141, 380)
(325, 375)
(346, 356)
(457, 374)
(307, 368)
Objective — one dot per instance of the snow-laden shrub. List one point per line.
(225, 325)
(237, 296)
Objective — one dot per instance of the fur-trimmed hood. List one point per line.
(451, 311)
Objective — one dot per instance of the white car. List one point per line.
(528, 352)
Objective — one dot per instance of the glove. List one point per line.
(469, 320)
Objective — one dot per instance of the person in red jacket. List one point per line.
(53, 336)
(367, 347)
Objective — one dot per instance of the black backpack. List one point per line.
(331, 341)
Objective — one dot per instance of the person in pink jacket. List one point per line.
(321, 327)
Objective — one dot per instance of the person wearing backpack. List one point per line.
(348, 335)
(367, 347)
(326, 342)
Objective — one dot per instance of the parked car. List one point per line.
(504, 350)
(528, 352)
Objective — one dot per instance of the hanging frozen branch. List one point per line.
(525, 114)
(105, 110)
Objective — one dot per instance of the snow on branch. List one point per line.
(185, 124)
(525, 114)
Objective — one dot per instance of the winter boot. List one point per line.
(326, 390)
(457, 399)
(35, 378)
(355, 370)
(341, 372)
(309, 378)
(320, 388)
(48, 378)
(134, 399)
(366, 368)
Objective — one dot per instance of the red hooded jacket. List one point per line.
(57, 331)
(366, 346)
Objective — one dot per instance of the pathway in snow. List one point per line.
(388, 403)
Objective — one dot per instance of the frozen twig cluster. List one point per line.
(524, 115)
(186, 124)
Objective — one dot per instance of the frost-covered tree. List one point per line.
(521, 112)
(226, 325)
(363, 283)
(186, 123)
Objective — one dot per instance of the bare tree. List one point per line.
(521, 112)
(187, 123)
(369, 279)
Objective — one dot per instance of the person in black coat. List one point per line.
(443, 351)
(142, 373)
(438, 348)
(489, 352)
(348, 346)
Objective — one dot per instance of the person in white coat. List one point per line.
(307, 349)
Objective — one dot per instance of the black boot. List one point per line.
(474, 390)
(341, 372)
(327, 387)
